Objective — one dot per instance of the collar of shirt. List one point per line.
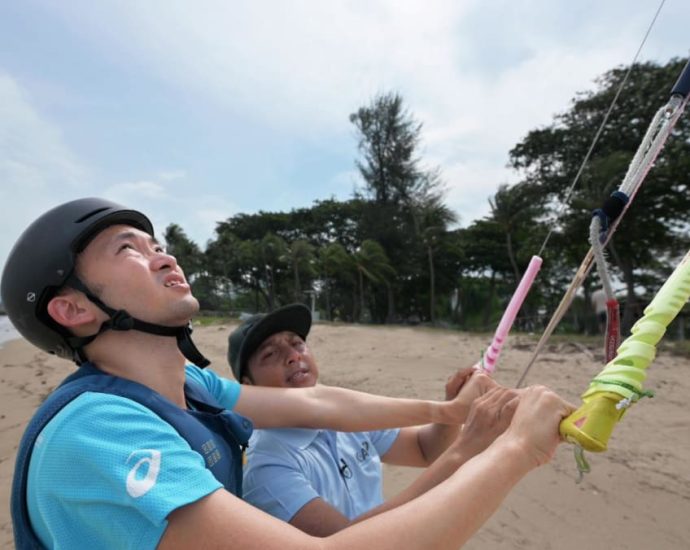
(298, 438)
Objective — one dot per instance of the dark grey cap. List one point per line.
(246, 338)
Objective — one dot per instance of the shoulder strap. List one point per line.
(74, 385)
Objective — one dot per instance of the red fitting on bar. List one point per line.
(613, 329)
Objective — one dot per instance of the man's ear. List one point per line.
(71, 310)
(247, 380)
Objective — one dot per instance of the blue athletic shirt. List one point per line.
(106, 472)
(289, 467)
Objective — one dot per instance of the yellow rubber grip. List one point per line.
(591, 425)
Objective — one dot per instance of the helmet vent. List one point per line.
(91, 214)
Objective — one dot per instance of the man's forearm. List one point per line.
(434, 439)
(339, 409)
(449, 514)
(358, 411)
(443, 467)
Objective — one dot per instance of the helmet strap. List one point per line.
(120, 320)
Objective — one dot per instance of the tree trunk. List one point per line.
(298, 285)
(329, 316)
(256, 296)
(360, 278)
(458, 312)
(489, 303)
(511, 257)
(390, 314)
(261, 292)
(355, 302)
(271, 289)
(432, 288)
(630, 312)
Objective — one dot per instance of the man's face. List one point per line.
(283, 360)
(128, 269)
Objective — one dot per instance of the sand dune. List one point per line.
(636, 498)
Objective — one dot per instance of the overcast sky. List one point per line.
(194, 111)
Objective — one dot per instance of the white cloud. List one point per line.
(206, 215)
(171, 175)
(199, 215)
(346, 182)
(34, 155)
(37, 169)
(127, 191)
(169, 200)
(469, 188)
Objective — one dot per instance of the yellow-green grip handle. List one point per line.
(591, 425)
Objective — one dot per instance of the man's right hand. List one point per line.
(536, 421)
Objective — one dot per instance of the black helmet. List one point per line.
(43, 260)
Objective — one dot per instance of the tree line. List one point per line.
(394, 252)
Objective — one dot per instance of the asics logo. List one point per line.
(149, 465)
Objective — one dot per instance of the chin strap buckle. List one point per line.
(121, 320)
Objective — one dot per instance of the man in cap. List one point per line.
(141, 449)
(321, 481)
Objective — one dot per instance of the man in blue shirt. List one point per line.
(322, 480)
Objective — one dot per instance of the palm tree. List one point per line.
(186, 252)
(372, 262)
(301, 258)
(511, 208)
(272, 253)
(432, 219)
(335, 264)
(223, 261)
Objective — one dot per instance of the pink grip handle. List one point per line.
(494, 350)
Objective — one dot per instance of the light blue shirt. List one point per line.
(287, 468)
(106, 471)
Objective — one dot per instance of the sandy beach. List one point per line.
(637, 496)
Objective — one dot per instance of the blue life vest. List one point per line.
(218, 435)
